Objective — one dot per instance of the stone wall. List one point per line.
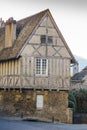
(55, 106)
(78, 85)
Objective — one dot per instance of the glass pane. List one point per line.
(50, 40)
(38, 66)
(43, 39)
(44, 66)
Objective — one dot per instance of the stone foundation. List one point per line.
(55, 105)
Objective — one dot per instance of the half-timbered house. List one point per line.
(35, 69)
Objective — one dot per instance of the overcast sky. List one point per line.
(70, 16)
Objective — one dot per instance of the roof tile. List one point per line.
(24, 29)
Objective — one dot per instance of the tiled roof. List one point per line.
(80, 75)
(25, 27)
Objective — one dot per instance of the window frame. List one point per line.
(41, 39)
(49, 40)
(41, 67)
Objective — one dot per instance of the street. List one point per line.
(28, 125)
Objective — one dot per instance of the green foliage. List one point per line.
(81, 97)
(72, 105)
(82, 93)
(78, 100)
(72, 101)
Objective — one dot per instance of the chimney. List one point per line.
(10, 32)
(2, 24)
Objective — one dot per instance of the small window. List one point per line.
(39, 101)
(41, 66)
(43, 39)
(49, 39)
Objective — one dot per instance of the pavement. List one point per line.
(10, 124)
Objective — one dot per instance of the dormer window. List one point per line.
(49, 39)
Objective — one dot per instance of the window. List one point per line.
(41, 66)
(39, 101)
(43, 39)
(49, 39)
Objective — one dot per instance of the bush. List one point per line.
(78, 100)
(72, 101)
(81, 97)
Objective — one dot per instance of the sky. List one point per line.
(70, 16)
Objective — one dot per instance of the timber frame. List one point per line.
(20, 46)
(18, 71)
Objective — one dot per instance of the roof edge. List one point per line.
(73, 60)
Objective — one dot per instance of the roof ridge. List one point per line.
(44, 11)
(28, 25)
(23, 22)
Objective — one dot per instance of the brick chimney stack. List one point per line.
(10, 32)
